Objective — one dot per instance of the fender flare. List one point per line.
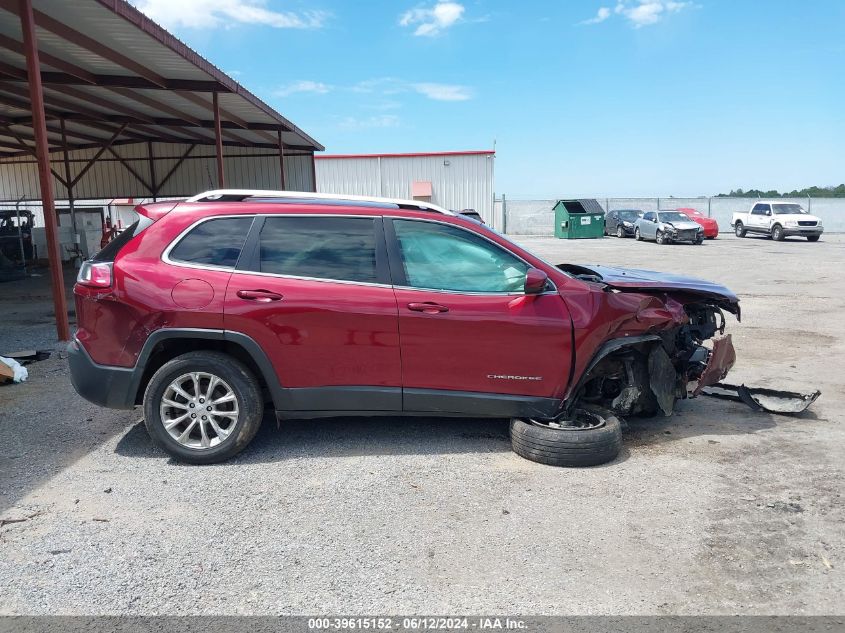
(249, 345)
(606, 349)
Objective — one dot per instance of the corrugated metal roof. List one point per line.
(105, 64)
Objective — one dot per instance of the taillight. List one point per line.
(95, 274)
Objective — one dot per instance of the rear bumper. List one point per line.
(101, 384)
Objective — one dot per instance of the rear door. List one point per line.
(472, 341)
(314, 292)
(648, 227)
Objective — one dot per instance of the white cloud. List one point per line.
(385, 87)
(313, 87)
(443, 92)
(640, 13)
(204, 14)
(433, 20)
(381, 120)
(601, 16)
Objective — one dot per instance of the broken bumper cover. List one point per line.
(722, 358)
(771, 400)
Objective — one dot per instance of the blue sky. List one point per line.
(638, 97)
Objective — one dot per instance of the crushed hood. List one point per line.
(632, 279)
(686, 225)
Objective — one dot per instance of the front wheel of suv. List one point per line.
(203, 407)
(593, 436)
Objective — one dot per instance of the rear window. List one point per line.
(320, 247)
(109, 252)
(213, 243)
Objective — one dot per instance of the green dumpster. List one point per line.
(575, 219)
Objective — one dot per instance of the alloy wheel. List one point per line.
(199, 410)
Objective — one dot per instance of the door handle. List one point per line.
(261, 296)
(429, 307)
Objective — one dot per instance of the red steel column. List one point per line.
(218, 135)
(282, 161)
(42, 151)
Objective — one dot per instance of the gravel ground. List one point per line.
(716, 510)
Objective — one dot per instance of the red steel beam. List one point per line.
(154, 103)
(48, 23)
(218, 136)
(48, 204)
(74, 71)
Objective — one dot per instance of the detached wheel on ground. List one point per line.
(592, 437)
(203, 407)
(739, 229)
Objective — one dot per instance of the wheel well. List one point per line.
(168, 349)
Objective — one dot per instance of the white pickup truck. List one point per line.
(779, 220)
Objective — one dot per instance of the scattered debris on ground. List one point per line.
(12, 371)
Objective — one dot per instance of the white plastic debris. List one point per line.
(19, 372)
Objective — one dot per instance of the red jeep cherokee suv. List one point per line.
(204, 310)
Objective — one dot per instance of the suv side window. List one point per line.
(442, 257)
(320, 247)
(760, 209)
(214, 242)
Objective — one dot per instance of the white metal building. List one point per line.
(454, 180)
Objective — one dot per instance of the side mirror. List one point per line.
(654, 220)
(535, 281)
(768, 213)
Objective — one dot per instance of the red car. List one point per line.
(316, 305)
(711, 227)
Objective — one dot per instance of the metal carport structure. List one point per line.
(98, 101)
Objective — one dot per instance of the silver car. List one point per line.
(665, 227)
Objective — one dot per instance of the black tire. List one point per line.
(699, 241)
(739, 229)
(813, 238)
(637, 235)
(236, 375)
(660, 237)
(569, 446)
(620, 232)
(777, 233)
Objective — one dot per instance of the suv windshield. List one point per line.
(787, 209)
(673, 216)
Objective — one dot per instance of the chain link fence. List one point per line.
(536, 217)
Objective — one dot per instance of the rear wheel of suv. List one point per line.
(203, 407)
(593, 436)
(739, 229)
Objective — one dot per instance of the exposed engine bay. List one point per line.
(674, 347)
(648, 374)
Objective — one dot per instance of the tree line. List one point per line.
(811, 192)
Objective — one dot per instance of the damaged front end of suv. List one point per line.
(657, 339)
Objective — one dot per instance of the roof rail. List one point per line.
(239, 195)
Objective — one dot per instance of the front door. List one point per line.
(315, 294)
(472, 341)
(759, 218)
